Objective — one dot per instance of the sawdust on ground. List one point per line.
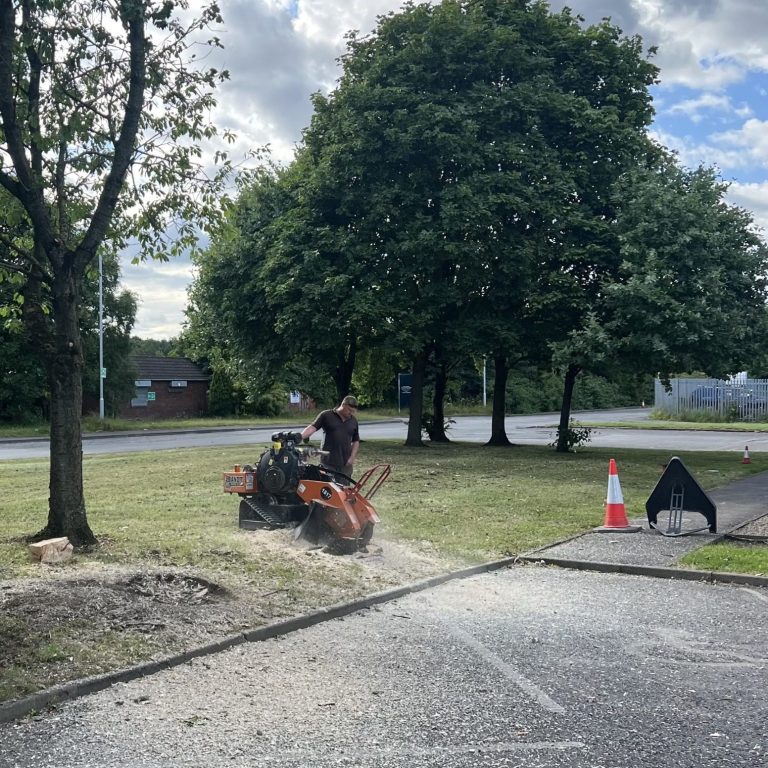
(85, 618)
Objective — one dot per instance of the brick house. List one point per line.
(167, 388)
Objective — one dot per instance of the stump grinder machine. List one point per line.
(284, 490)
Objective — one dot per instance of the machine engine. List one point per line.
(279, 467)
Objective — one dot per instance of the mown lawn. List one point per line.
(468, 500)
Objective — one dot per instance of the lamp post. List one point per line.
(101, 340)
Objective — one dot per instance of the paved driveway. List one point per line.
(530, 667)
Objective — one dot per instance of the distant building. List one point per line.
(298, 401)
(167, 388)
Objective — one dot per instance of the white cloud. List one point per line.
(695, 108)
(754, 198)
(702, 44)
(330, 20)
(162, 291)
(751, 139)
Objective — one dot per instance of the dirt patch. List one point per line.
(87, 618)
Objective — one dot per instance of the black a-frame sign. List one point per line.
(676, 492)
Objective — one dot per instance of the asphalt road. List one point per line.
(532, 666)
(538, 429)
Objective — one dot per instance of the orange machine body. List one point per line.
(346, 509)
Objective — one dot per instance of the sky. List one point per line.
(711, 103)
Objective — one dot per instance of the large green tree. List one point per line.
(102, 112)
(687, 291)
(462, 140)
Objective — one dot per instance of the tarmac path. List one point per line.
(538, 429)
(529, 666)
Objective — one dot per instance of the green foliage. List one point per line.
(430, 427)
(691, 292)
(530, 391)
(155, 347)
(575, 436)
(375, 371)
(269, 402)
(221, 394)
(418, 214)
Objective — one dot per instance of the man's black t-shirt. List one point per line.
(338, 437)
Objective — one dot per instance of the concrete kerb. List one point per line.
(653, 571)
(13, 710)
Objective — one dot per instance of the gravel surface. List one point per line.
(532, 666)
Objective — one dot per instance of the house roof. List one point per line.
(167, 369)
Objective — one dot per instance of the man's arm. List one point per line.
(308, 432)
(355, 449)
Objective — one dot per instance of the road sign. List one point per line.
(150, 396)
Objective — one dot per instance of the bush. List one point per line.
(575, 436)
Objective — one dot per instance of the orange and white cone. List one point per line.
(746, 459)
(615, 512)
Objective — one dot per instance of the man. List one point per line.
(340, 436)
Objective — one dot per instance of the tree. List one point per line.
(154, 347)
(688, 290)
(463, 138)
(102, 111)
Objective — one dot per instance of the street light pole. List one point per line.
(101, 339)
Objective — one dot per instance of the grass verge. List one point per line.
(165, 511)
(688, 426)
(731, 557)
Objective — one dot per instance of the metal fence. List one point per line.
(739, 399)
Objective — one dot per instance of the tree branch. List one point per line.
(27, 190)
(133, 15)
(11, 185)
(33, 98)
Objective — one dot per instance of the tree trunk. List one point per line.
(417, 399)
(498, 413)
(437, 432)
(345, 369)
(64, 365)
(565, 409)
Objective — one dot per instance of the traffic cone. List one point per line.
(746, 459)
(615, 513)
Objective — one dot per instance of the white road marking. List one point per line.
(522, 682)
(755, 593)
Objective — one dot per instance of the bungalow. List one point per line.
(167, 388)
